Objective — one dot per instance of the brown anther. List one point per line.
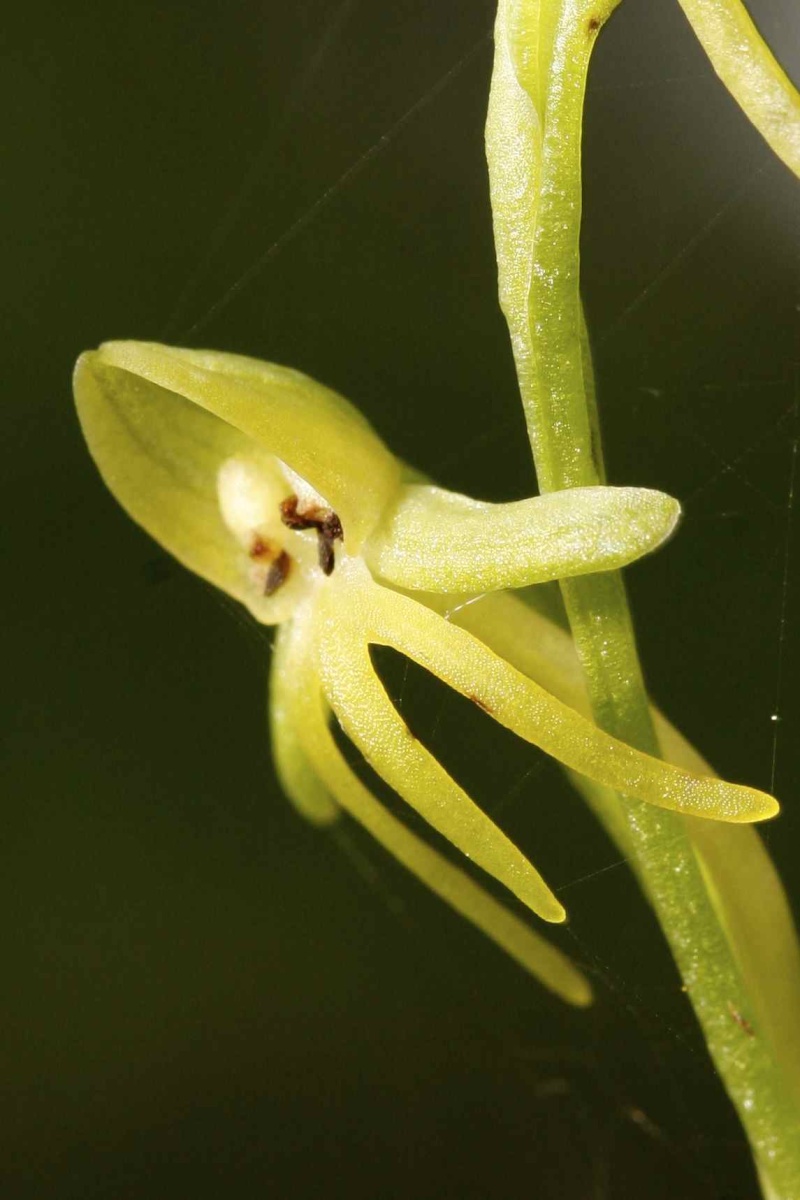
(324, 520)
(325, 555)
(277, 573)
(332, 527)
(297, 520)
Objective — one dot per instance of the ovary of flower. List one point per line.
(276, 490)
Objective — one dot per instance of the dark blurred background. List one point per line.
(201, 995)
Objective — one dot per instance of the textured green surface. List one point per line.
(750, 72)
(542, 57)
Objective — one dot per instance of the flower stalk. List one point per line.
(735, 948)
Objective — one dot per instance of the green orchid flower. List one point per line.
(276, 490)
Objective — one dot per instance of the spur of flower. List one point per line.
(275, 489)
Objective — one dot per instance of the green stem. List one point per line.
(748, 68)
(542, 57)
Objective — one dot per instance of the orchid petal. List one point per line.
(371, 721)
(444, 542)
(523, 706)
(309, 793)
(306, 712)
(273, 409)
(161, 457)
(744, 885)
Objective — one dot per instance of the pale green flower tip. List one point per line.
(735, 804)
(762, 807)
(550, 910)
(672, 514)
(83, 377)
(81, 366)
(654, 517)
(773, 808)
(578, 992)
